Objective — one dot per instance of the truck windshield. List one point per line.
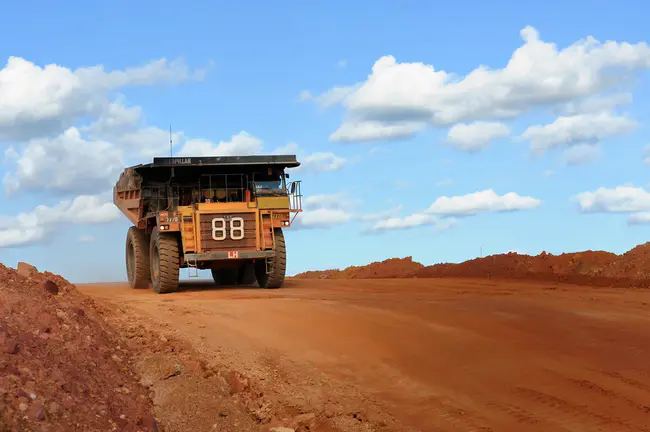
(273, 187)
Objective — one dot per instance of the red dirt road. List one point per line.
(424, 354)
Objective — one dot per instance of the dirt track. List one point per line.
(429, 355)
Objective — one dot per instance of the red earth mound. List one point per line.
(390, 268)
(61, 366)
(589, 267)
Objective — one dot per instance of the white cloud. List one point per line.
(339, 201)
(578, 129)
(374, 130)
(629, 199)
(242, 143)
(37, 101)
(370, 217)
(440, 214)
(323, 218)
(596, 104)
(147, 142)
(537, 76)
(334, 96)
(291, 148)
(325, 211)
(322, 162)
(621, 199)
(341, 63)
(408, 222)
(330, 210)
(548, 173)
(115, 119)
(642, 218)
(313, 162)
(581, 154)
(475, 136)
(11, 155)
(86, 239)
(66, 163)
(481, 202)
(27, 228)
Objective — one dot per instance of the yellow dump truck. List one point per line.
(225, 214)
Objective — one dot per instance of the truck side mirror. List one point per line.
(286, 175)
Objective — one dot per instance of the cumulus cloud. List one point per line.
(67, 163)
(37, 101)
(621, 199)
(325, 211)
(578, 129)
(316, 162)
(595, 104)
(476, 136)
(331, 210)
(642, 218)
(370, 217)
(441, 214)
(34, 226)
(486, 201)
(629, 199)
(408, 222)
(322, 162)
(537, 76)
(242, 143)
(375, 130)
(581, 154)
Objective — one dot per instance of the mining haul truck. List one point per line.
(225, 214)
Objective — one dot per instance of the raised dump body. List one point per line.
(225, 214)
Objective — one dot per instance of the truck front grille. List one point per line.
(228, 231)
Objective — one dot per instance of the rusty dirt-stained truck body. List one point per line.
(224, 213)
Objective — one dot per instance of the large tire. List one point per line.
(274, 279)
(165, 262)
(137, 258)
(224, 276)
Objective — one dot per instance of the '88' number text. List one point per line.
(220, 228)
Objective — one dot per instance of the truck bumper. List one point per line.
(216, 256)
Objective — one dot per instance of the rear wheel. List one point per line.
(274, 279)
(165, 262)
(137, 258)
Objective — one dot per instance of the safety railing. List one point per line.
(295, 197)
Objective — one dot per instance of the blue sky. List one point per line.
(392, 157)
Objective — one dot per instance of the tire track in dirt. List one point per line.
(572, 416)
(424, 355)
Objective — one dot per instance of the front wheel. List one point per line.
(278, 264)
(165, 262)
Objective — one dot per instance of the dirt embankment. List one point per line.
(589, 267)
(62, 368)
(390, 268)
